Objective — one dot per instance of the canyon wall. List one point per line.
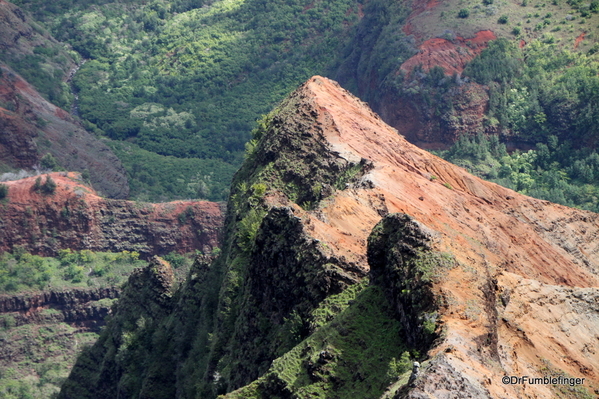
(74, 217)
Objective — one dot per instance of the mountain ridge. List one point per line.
(487, 245)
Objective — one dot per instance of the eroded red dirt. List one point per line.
(579, 39)
(523, 295)
(451, 55)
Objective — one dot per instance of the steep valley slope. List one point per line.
(31, 126)
(422, 86)
(42, 329)
(347, 254)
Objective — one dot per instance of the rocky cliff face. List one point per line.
(438, 123)
(80, 308)
(74, 217)
(146, 300)
(471, 279)
(435, 119)
(407, 61)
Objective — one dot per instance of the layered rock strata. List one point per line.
(74, 216)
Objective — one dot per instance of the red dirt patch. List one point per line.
(452, 55)
(431, 4)
(418, 9)
(579, 39)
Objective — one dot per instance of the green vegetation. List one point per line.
(48, 187)
(48, 162)
(356, 352)
(248, 228)
(44, 69)
(154, 177)
(554, 172)
(20, 271)
(188, 79)
(38, 359)
(3, 191)
(547, 97)
(42, 351)
(176, 82)
(566, 391)
(179, 261)
(540, 91)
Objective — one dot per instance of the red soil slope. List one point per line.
(579, 39)
(451, 55)
(523, 298)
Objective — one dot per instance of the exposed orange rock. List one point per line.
(523, 298)
(75, 217)
(451, 55)
(418, 120)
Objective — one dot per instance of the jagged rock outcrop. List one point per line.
(401, 261)
(74, 217)
(27, 302)
(145, 300)
(77, 307)
(462, 107)
(471, 279)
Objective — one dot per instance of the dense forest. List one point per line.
(178, 85)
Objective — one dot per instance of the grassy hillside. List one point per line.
(357, 351)
(21, 271)
(41, 345)
(39, 356)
